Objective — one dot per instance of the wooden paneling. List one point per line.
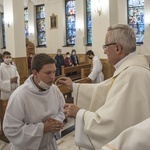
(22, 67)
(30, 48)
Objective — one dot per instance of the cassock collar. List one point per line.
(5, 65)
(30, 85)
(123, 60)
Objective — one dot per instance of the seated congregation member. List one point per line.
(75, 60)
(59, 62)
(96, 74)
(9, 77)
(104, 110)
(74, 57)
(34, 114)
(133, 138)
(68, 60)
(68, 63)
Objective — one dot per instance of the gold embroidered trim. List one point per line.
(77, 93)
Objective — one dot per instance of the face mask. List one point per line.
(73, 53)
(7, 60)
(59, 53)
(44, 85)
(68, 56)
(90, 58)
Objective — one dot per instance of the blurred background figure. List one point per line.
(74, 57)
(29, 63)
(96, 74)
(68, 60)
(59, 62)
(9, 77)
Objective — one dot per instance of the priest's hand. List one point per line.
(71, 110)
(66, 81)
(52, 125)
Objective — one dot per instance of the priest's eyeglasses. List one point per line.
(105, 46)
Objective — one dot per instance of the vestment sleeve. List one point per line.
(134, 138)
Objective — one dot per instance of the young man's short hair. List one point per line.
(39, 60)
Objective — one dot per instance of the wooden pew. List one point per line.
(67, 93)
(85, 72)
(3, 105)
(77, 69)
(107, 70)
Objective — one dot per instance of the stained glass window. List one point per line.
(26, 22)
(70, 12)
(3, 30)
(89, 22)
(40, 22)
(136, 18)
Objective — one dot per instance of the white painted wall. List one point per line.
(113, 11)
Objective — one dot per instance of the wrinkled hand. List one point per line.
(52, 125)
(71, 110)
(67, 82)
(14, 80)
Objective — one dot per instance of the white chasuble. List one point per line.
(112, 106)
(134, 138)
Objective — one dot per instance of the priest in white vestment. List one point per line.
(134, 138)
(34, 113)
(9, 77)
(104, 110)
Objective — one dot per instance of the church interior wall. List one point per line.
(113, 11)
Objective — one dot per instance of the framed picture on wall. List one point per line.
(53, 21)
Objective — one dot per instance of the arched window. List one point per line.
(136, 18)
(70, 12)
(26, 23)
(3, 30)
(88, 22)
(40, 23)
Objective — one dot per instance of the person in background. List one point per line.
(9, 77)
(68, 63)
(74, 58)
(59, 62)
(34, 114)
(106, 109)
(96, 74)
(68, 60)
(29, 63)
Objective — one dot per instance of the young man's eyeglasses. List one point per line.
(105, 46)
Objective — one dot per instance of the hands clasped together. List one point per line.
(70, 110)
(52, 125)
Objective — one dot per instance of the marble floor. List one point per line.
(64, 143)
